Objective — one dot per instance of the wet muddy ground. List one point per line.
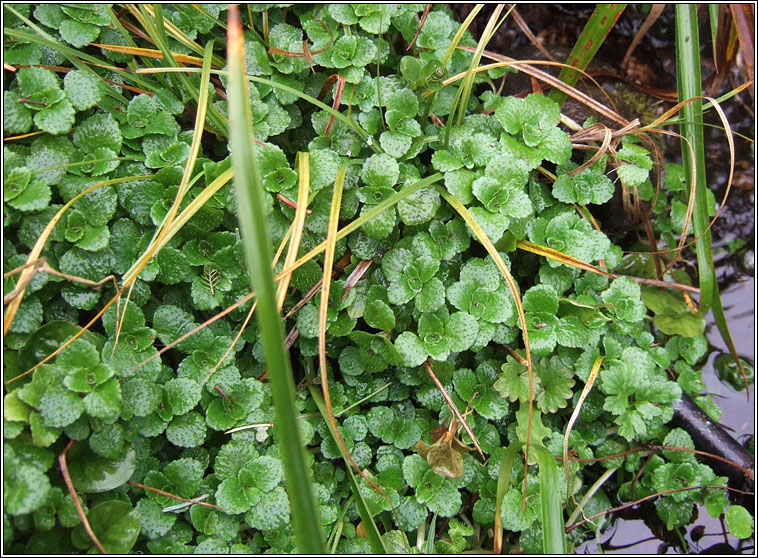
(557, 27)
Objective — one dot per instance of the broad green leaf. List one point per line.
(17, 118)
(109, 441)
(395, 143)
(460, 184)
(181, 394)
(116, 525)
(99, 130)
(26, 488)
(34, 197)
(379, 315)
(84, 380)
(105, 400)
(57, 118)
(35, 79)
(154, 523)
(78, 34)
(739, 522)
(380, 170)
(82, 89)
(273, 511)
(186, 474)
(187, 431)
(588, 186)
(92, 473)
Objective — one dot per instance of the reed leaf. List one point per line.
(689, 85)
(306, 519)
(593, 35)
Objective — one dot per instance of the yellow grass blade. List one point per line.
(326, 283)
(297, 225)
(178, 223)
(202, 106)
(575, 415)
(559, 257)
(151, 53)
(513, 286)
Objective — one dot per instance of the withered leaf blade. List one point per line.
(445, 461)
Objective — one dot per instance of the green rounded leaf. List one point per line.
(154, 522)
(84, 380)
(272, 512)
(141, 111)
(78, 34)
(395, 143)
(26, 488)
(380, 170)
(379, 315)
(82, 89)
(100, 130)
(115, 523)
(93, 473)
(141, 396)
(187, 431)
(739, 522)
(411, 349)
(231, 497)
(60, 407)
(56, 119)
(181, 394)
(105, 400)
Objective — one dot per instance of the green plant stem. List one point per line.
(449, 53)
(158, 33)
(306, 519)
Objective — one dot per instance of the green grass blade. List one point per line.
(315, 102)
(553, 535)
(337, 114)
(503, 483)
(590, 493)
(394, 199)
(432, 533)
(689, 85)
(449, 53)
(169, 226)
(306, 519)
(713, 19)
(594, 33)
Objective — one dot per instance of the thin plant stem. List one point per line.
(79, 509)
